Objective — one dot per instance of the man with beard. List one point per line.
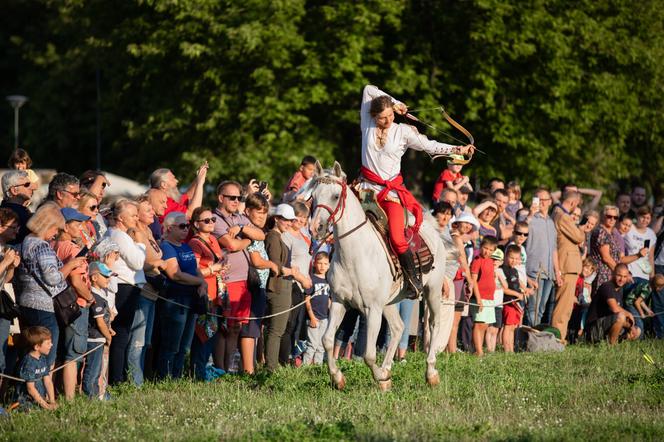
(639, 199)
(17, 190)
(187, 202)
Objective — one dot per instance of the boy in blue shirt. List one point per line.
(318, 307)
(34, 369)
(99, 328)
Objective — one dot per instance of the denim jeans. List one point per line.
(31, 317)
(177, 331)
(140, 337)
(405, 311)
(4, 335)
(200, 355)
(92, 370)
(534, 313)
(126, 300)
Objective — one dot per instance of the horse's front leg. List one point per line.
(433, 298)
(397, 327)
(374, 319)
(337, 312)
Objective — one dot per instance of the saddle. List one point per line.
(375, 214)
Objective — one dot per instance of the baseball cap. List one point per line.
(101, 268)
(73, 215)
(285, 211)
(455, 159)
(498, 255)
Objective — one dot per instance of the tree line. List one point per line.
(552, 90)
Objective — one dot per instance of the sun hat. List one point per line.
(466, 217)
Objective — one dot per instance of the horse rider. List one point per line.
(383, 144)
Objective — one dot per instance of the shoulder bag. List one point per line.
(253, 279)
(65, 306)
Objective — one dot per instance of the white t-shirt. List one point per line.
(634, 241)
(499, 293)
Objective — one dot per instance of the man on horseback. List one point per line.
(383, 144)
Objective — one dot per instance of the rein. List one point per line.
(338, 210)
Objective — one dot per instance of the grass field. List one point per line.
(585, 393)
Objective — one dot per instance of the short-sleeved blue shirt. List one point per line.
(32, 370)
(185, 257)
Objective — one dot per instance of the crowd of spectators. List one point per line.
(163, 286)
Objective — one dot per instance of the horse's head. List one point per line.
(327, 189)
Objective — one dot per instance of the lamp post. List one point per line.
(16, 102)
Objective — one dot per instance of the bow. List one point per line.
(471, 140)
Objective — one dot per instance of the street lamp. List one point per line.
(16, 102)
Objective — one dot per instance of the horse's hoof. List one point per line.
(385, 385)
(341, 383)
(433, 380)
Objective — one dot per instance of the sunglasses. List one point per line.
(234, 197)
(183, 226)
(93, 208)
(74, 194)
(26, 185)
(615, 217)
(104, 185)
(208, 220)
(521, 234)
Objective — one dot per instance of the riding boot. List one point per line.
(412, 282)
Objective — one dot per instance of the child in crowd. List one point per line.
(514, 203)
(99, 329)
(303, 174)
(34, 369)
(491, 336)
(450, 178)
(318, 306)
(514, 292)
(484, 285)
(637, 297)
(583, 291)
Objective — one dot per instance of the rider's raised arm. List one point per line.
(369, 93)
(417, 141)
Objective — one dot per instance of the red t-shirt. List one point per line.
(175, 206)
(444, 177)
(486, 282)
(295, 182)
(204, 254)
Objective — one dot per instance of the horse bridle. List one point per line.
(339, 210)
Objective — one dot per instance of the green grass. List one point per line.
(584, 393)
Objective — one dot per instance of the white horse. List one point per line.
(360, 275)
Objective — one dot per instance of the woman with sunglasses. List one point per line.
(95, 182)
(185, 285)
(209, 258)
(604, 251)
(89, 206)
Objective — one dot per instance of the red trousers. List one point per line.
(396, 225)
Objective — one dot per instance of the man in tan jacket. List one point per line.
(569, 258)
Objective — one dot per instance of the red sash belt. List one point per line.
(396, 185)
